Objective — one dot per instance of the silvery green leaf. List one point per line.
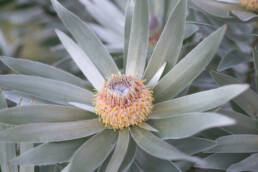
(170, 42)
(155, 79)
(49, 153)
(127, 29)
(181, 76)
(190, 29)
(121, 4)
(7, 150)
(82, 60)
(23, 148)
(46, 89)
(3, 103)
(83, 106)
(93, 152)
(135, 168)
(244, 15)
(221, 161)
(51, 132)
(198, 102)
(247, 101)
(244, 124)
(108, 36)
(255, 56)
(119, 152)
(4, 46)
(149, 163)
(43, 113)
(129, 157)
(22, 99)
(27, 67)
(230, 1)
(188, 124)
(241, 143)
(106, 13)
(157, 9)
(192, 145)
(248, 164)
(147, 126)
(87, 40)
(103, 166)
(216, 8)
(156, 147)
(232, 59)
(139, 38)
(183, 165)
(66, 169)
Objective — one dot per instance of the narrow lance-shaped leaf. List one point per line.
(192, 145)
(27, 67)
(186, 125)
(244, 124)
(190, 30)
(87, 40)
(170, 42)
(51, 132)
(138, 42)
(103, 11)
(3, 103)
(216, 8)
(49, 153)
(255, 56)
(7, 150)
(127, 29)
(129, 157)
(24, 147)
(221, 161)
(19, 97)
(179, 77)
(157, 147)
(198, 102)
(248, 164)
(46, 89)
(247, 101)
(42, 113)
(83, 106)
(242, 143)
(89, 156)
(149, 163)
(120, 151)
(148, 127)
(155, 79)
(82, 60)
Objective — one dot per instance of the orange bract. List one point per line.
(123, 101)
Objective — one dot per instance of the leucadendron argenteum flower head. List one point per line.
(124, 123)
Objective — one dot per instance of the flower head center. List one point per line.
(123, 101)
(121, 89)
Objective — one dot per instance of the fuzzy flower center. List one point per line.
(251, 5)
(123, 101)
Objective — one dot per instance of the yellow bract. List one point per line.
(123, 101)
(251, 5)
